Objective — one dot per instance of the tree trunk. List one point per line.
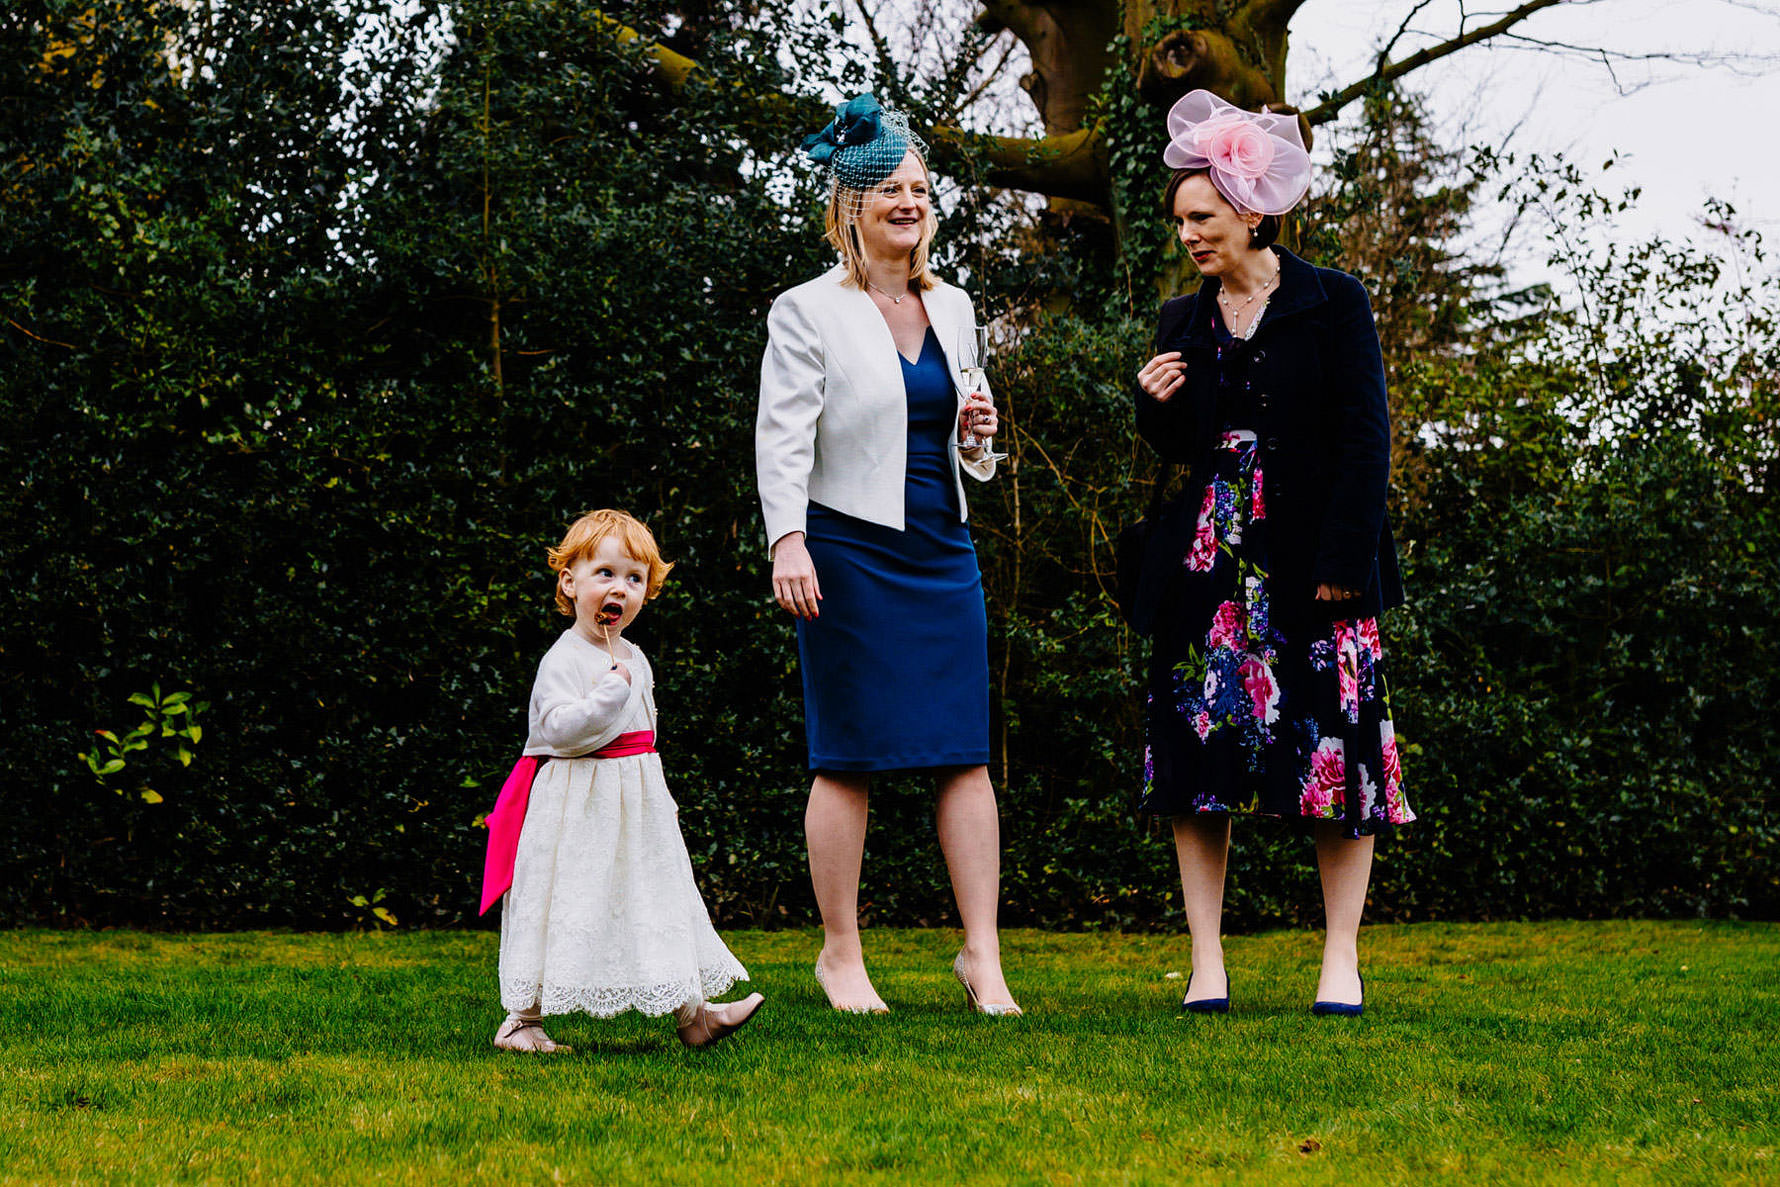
(1237, 52)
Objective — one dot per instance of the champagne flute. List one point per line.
(973, 349)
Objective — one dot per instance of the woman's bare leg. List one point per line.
(834, 827)
(1202, 845)
(1346, 867)
(970, 837)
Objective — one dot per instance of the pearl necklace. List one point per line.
(893, 300)
(1236, 311)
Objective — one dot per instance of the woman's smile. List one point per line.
(903, 225)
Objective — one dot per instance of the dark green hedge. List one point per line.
(258, 450)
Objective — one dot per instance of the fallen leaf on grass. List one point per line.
(1309, 1146)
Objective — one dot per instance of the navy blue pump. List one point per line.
(1342, 1009)
(1208, 1005)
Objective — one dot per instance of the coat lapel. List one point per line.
(1299, 289)
(1199, 321)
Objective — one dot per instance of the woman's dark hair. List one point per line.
(1266, 233)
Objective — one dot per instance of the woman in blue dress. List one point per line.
(861, 447)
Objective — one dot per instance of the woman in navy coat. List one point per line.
(1264, 581)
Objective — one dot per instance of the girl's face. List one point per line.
(1211, 229)
(896, 211)
(607, 588)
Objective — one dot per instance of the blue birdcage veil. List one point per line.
(862, 145)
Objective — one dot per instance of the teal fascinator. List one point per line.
(863, 144)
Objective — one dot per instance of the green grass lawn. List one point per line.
(1606, 1052)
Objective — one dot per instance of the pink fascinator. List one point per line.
(1256, 160)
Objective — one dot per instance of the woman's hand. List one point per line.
(978, 416)
(1162, 375)
(794, 577)
(1334, 593)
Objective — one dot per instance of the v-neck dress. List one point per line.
(896, 667)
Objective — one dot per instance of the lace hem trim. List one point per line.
(606, 1001)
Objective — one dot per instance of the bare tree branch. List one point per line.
(887, 71)
(676, 68)
(1068, 165)
(1329, 108)
(1747, 65)
(1384, 55)
(677, 71)
(39, 337)
(1276, 13)
(990, 77)
(1752, 6)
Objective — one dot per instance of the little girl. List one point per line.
(603, 914)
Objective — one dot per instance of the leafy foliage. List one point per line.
(322, 320)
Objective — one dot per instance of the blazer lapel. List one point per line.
(870, 352)
(946, 327)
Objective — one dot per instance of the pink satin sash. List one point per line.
(508, 816)
(625, 745)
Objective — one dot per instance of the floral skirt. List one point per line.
(1244, 715)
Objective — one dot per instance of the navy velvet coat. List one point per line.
(1317, 380)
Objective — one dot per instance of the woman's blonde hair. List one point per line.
(840, 226)
(583, 540)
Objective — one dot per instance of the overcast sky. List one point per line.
(1684, 132)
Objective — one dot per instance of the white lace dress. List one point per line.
(604, 915)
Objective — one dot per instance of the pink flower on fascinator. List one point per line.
(1235, 146)
(1256, 159)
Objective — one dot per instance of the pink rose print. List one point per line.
(1347, 669)
(1227, 627)
(1257, 506)
(1369, 638)
(1396, 808)
(1393, 765)
(1323, 786)
(1202, 724)
(1262, 689)
(1205, 540)
(1368, 792)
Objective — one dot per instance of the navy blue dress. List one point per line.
(896, 668)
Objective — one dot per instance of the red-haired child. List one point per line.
(600, 912)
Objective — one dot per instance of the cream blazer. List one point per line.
(833, 421)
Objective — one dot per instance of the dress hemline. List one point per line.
(883, 766)
(1371, 827)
